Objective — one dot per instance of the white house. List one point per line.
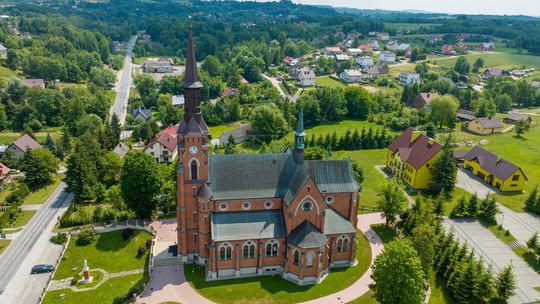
(3, 51)
(342, 57)
(178, 100)
(305, 77)
(21, 145)
(387, 57)
(407, 79)
(354, 52)
(351, 76)
(364, 61)
(158, 66)
(163, 146)
(383, 36)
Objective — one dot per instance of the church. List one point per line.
(260, 214)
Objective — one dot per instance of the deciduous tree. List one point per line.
(391, 199)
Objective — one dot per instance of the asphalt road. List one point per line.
(123, 85)
(30, 247)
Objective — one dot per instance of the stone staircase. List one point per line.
(164, 256)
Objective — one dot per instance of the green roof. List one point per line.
(251, 176)
(229, 226)
(334, 223)
(306, 235)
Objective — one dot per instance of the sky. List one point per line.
(488, 7)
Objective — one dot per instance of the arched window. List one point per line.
(272, 248)
(225, 252)
(309, 259)
(194, 169)
(307, 206)
(249, 250)
(342, 244)
(296, 257)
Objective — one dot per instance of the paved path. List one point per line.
(123, 85)
(472, 183)
(168, 283)
(32, 246)
(494, 252)
(275, 83)
(521, 225)
(66, 283)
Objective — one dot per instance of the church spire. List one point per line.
(191, 78)
(299, 138)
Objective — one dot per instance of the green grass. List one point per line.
(106, 293)
(529, 258)
(108, 252)
(329, 82)
(7, 137)
(498, 59)
(274, 289)
(439, 293)
(97, 276)
(7, 191)
(22, 219)
(500, 234)
(448, 204)
(217, 131)
(373, 179)
(367, 298)
(341, 127)
(387, 234)
(408, 26)
(3, 245)
(41, 195)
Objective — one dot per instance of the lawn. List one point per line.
(217, 131)
(3, 245)
(341, 127)
(7, 137)
(373, 179)
(41, 195)
(108, 252)
(274, 289)
(326, 81)
(108, 292)
(22, 219)
(449, 204)
(386, 234)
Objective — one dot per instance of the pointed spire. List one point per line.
(300, 124)
(191, 78)
(299, 138)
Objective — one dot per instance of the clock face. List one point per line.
(193, 150)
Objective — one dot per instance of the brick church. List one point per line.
(260, 214)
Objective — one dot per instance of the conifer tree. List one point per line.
(472, 208)
(461, 208)
(370, 138)
(532, 243)
(320, 141)
(327, 141)
(444, 171)
(488, 209)
(334, 141)
(356, 143)
(531, 203)
(347, 140)
(505, 284)
(464, 286)
(50, 144)
(363, 139)
(484, 285)
(438, 204)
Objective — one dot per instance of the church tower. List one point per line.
(299, 139)
(192, 167)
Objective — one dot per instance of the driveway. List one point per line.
(472, 183)
(494, 252)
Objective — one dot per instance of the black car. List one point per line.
(42, 268)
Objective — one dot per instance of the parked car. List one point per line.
(42, 268)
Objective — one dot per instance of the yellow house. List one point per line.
(494, 170)
(411, 156)
(485, 126)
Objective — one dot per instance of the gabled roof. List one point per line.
(306, 235)
(205, 192)
(426, 98)
(121, 150)
(144, 112)
(4, 170)
(490, 122)
(493, 164)
(334, 223)
(416, 153)
(26, 142)
(166, 138)
(517, 116)
(466, 114)
(230, 91)
(250, 225)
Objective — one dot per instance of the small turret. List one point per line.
(299, 139)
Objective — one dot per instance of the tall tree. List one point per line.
(397, 274)
(358, 102)
(140, 182)
(83, 166)
(267, 122)
(462, 65)
(444, 171)
(39, 166)
(391, 199)
(422, 240)
(505, 284)
(444, 110)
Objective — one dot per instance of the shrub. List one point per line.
(126, 233)
(148, 243)
(76, 278)
(141, 251)
(18, 196)
(59, 239)
(86, 237)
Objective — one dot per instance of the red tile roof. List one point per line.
(230, 91)
(166, 138)
(4, 170)
(417, 152)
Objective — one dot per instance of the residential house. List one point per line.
(396, 46)
(494, 170)
(248, 215)
(5, 176)
(163, 146)
(158, 66)
(461, 46)
(387, 57)
(287, 60)
(487, 46)
(448, 50)
(354, 52)
(231, 92)
(434, 38)
(40, 83)
(374, 45)
(351, 76)
(448, 80)
(485, 126)
(493, 72)
(143, 114)
(306, 77)
(465, 115)
(513, 118)
(409, 78)
(341, 57)
(423, 100)
(383, 36)
(364, 61)
(366, 48)
(370, 72)
(383, 68)
(353, 35)
(536, 85)
(21, 145)
(121, 150)
(331, 50)
(3, 51)
(178, 100)
(411, 156)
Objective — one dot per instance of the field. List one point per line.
(329, 82)
(268, 289)
(7, 138)
(504, 60)
(342, 126)
(407, 26)
(109, 252)
(110, 292)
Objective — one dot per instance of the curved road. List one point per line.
(123, 85)
(12, 261)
